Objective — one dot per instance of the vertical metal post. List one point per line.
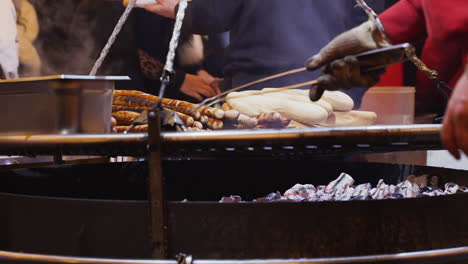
(156, 188)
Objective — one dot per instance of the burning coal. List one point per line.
(343, 189)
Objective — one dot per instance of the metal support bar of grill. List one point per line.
(157, 201)
(314, 140)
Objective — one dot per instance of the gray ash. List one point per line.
(343, 189)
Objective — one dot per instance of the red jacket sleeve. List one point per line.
(446, 20)
(405, 21)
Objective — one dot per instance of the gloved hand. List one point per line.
(9, 59)
(344, 72)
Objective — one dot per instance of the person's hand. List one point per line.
(165, 8)
(347, 73)
(356, 40)
(197, 88)
(344, 71)
(455, 125)
(210, 80)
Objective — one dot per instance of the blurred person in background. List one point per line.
(9, 58)
(28, 30)
(269, 36)
(18, 31)
(191, 82)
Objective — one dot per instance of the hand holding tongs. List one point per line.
(388, 55)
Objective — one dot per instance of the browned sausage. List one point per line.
(136, 129)
(247, 121)
(188, 120)
(131, 101)
(197, 124)
(116, 108)
(214, 124)
(124, 117)
(188, 111)
(226, 107)
(231, 115)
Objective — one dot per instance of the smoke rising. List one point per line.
(72, 34)
(65, 43)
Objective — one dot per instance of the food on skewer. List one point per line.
(334, 109)
(350, 118)
(140, 128)
(124, 117)
(267, 108)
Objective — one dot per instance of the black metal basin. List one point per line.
(100, 211)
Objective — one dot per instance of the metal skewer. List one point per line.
(211, 100)
(279, 89)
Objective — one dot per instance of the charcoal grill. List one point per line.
(101, 210)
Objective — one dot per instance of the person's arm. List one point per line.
(153, 43)
(28, 30)
(455, 127)
(207, 17)
(405, 22)
(448, 20)
(9, 59)
(202, 16)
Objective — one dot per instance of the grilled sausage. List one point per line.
(214, 124)
(226, 107)
(231, 115)
(131, 101)
(124, 117)
(116, 108)
(136, 129)
(188, 120)
(197, 124)
(247, 121)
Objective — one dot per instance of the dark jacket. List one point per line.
(272, 36)
(152, 35)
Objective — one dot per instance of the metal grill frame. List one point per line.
(234, 143)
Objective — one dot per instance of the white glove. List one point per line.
(356, 40)
(9, 57)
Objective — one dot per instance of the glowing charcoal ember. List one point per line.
(394, 196)
(321, 195)
(272, 197)
(361, 192)
(408, 189)
(300, 192)
(231, 199)
(346, 195)
(429, 191)
(340, 184)
(342, 189)
(381, 190)
(451, 188)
